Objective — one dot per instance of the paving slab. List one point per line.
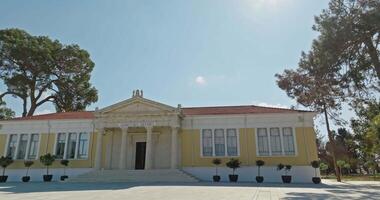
(187, 191)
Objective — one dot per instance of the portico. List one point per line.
(137, 134)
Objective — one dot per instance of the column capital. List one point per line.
(149, 128)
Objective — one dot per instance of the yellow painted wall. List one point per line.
(46, 145)
(305, 139)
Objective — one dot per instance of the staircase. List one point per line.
(135, 176)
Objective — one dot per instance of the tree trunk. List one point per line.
(374, 55)
(333, 145)
(24, 105)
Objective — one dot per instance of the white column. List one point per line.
(123, 148)
(148, 155)
(174, 148)
(98, 155)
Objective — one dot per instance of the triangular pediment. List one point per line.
(137, 105)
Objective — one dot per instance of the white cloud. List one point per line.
(265, 104)
(200, 80)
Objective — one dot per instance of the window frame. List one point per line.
(76, 145)
(26, 157)
(225, 143)
(282, 142)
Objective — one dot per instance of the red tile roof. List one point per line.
(217, 110)
(229, 110)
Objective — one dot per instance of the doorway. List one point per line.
(140, 155)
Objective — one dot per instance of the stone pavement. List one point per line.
(187, 191)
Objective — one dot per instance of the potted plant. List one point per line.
(4, 163)
(27, 164)
(47, 160)
(233, 164)
(259, 178)
(285, 178)
(216, 162)
(315, 165)
(65, 163)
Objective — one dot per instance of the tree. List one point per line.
(38, 70)
(314, 86)
(350, 32)
(5, 113)
(366, 130)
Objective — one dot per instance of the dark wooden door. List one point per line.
(140, 155)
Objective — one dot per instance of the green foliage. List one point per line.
(47, 160)
(260, 163)
(64, 162)
(233, 164)
(323, 166)
(340, 163)
(38, 70)
(286, 168)
(216, 161)
(5, 162)
(349, 33)
(5, 113)
(315, 163)
(28, 163)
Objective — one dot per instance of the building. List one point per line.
(145, 135)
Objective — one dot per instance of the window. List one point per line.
(288, 141)
(232, 142)
(11, 150)
(219, 142)
(262, 141)
(83, 145)
(71, 145)
(207, 142)
(33, 146)
(21, 151)
(275, 141)
(61, 143)
(279, 141)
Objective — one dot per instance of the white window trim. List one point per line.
(225, 145)
(282, 145)
(29, 135)
(38, 146)
(76, 146)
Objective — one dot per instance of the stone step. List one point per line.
(163, 175)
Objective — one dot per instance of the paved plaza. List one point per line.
(197, 191)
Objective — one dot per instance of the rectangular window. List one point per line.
(72, 143)
(11, 150)
(275, 141)
(22, 145)
(219, 141)
(232, 147)
(288, 141)
(262, 141)
(207, 142)
(33, 146)
(61, 143)
(83, 145)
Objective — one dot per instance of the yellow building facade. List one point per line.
(139, 134)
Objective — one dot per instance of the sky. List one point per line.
(194, 53)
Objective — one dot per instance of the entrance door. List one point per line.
(140, 155)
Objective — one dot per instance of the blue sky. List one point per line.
(196, 53)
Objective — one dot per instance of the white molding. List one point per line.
(225, 143)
